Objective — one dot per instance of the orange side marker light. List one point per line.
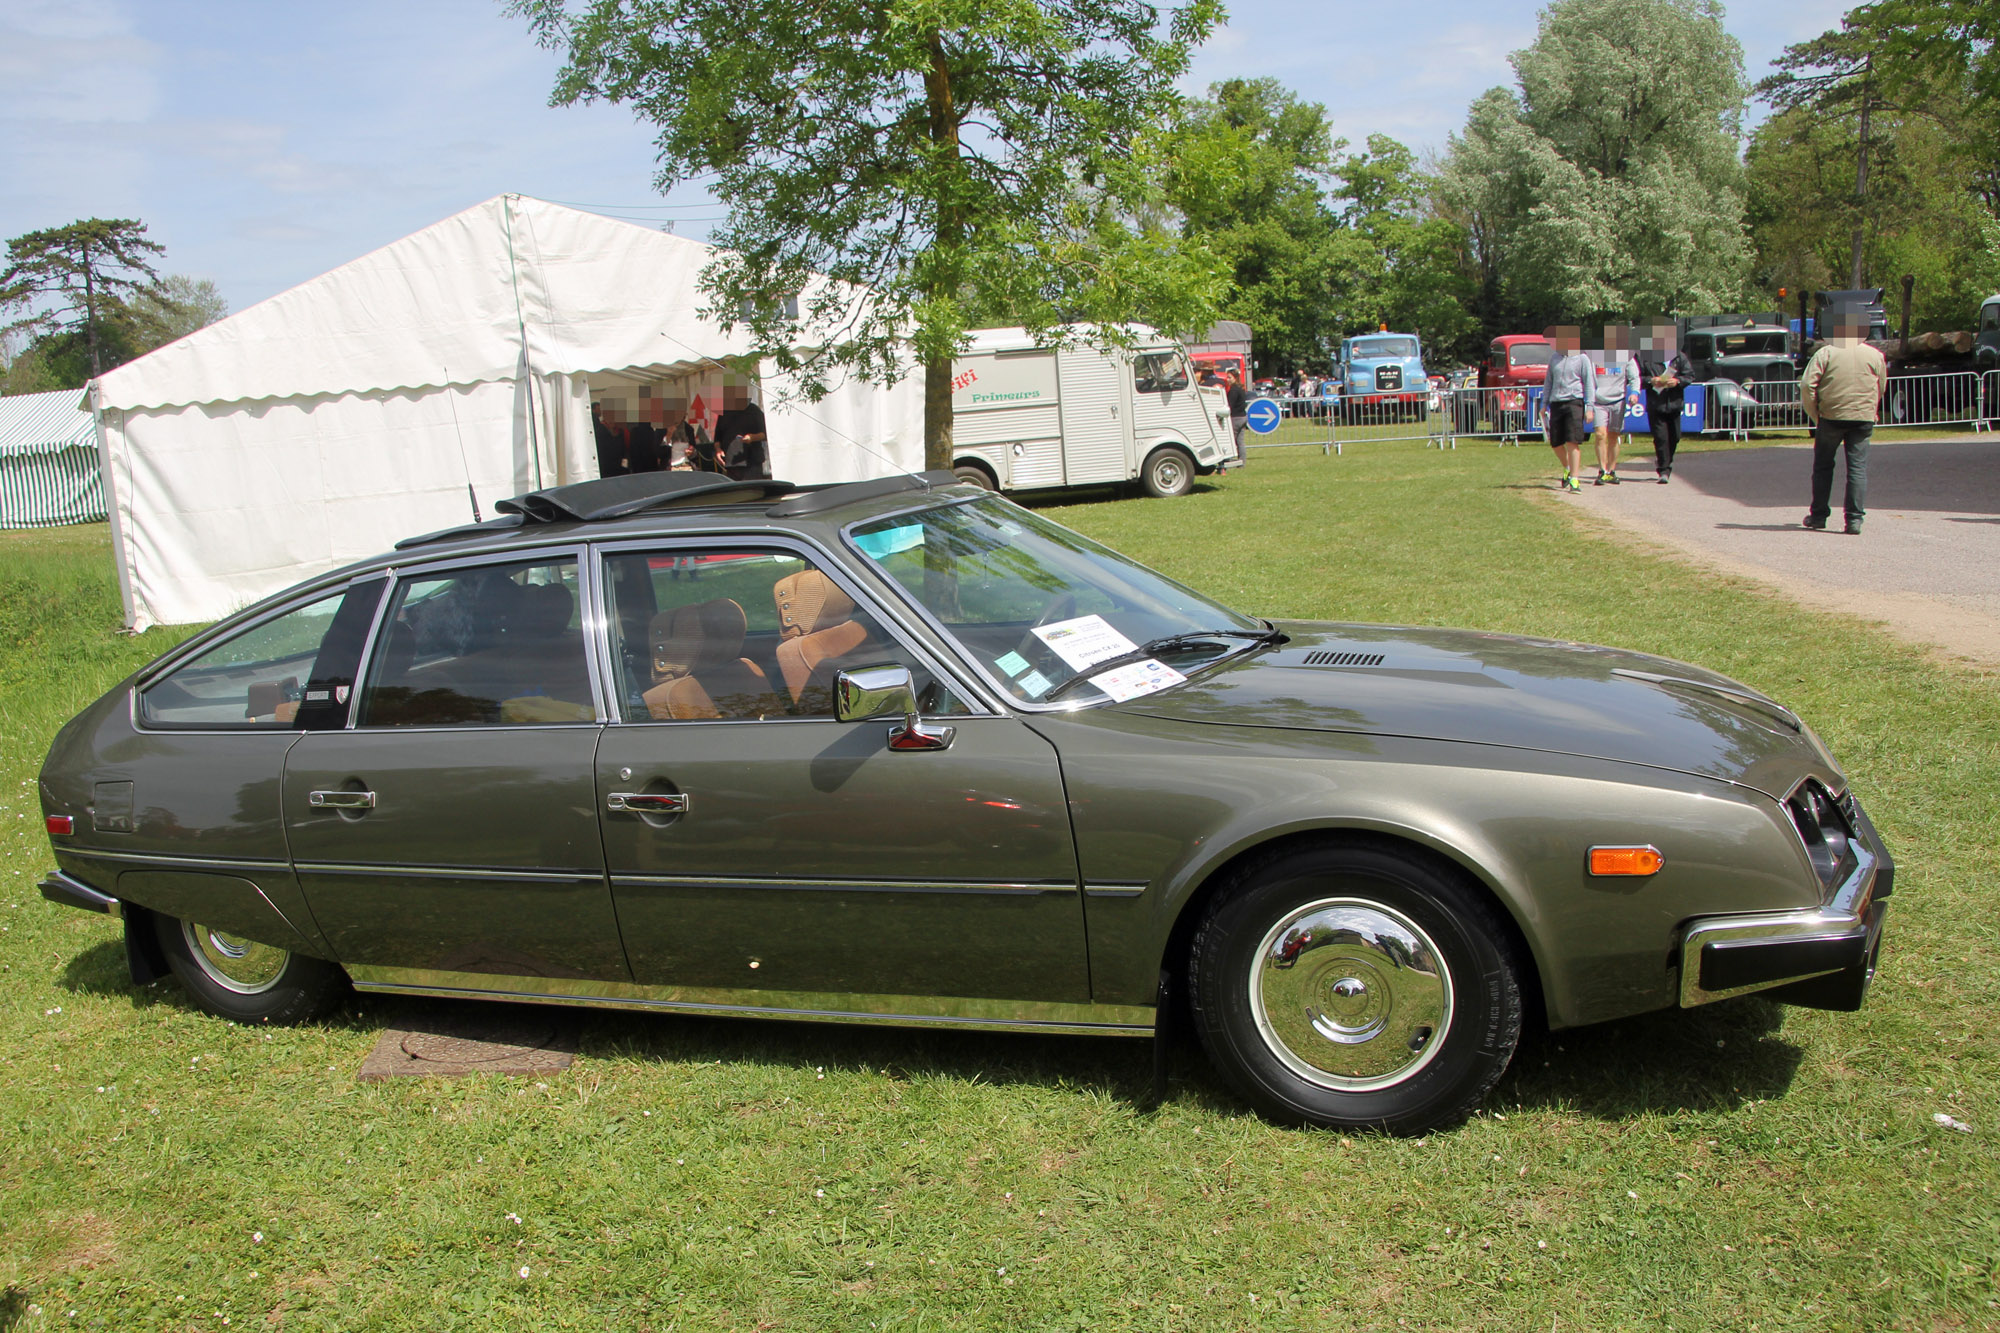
(1626, 860)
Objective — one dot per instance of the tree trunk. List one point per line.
(949, 241)
(937, 413)
(1861, 177)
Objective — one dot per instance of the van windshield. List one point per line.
(1385, 347)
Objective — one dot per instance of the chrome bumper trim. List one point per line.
(1840, 933)
(61, 887)
(946, 1011)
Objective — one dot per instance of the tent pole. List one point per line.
(521, 323)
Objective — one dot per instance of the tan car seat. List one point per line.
(820, 633)
(699, 667)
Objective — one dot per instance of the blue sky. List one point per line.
(266, 143)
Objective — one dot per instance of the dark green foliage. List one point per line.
(79, 279)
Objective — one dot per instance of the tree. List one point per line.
(1411, 276)
(937, 158)
(1609, 185)
(1903, 59)
(1247, 174)
(178, 306)
(86, 272)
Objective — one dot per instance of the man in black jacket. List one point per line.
(739, 436)
(1665, 371)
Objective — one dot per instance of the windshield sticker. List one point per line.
(881, 545)
(1034, 684)
(1129, 682)
(1085, 641)
(1013, 664)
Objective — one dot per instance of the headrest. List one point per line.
(543, 612)
(696, 638)
(810, 601)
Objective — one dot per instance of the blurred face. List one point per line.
(1615, 339)
(1665, 339)
(735, 395)
(1565, 338)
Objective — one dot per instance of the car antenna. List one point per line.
(470, 494)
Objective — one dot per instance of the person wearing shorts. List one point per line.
(1572, 384)
(1615, 394)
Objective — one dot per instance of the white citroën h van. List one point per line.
(1026, 417)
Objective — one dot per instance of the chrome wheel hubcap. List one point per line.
(1351, 995)
(232, 962)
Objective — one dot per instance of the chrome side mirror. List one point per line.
(883, 691)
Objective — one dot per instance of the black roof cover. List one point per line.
(616, 497)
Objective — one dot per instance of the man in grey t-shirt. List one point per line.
(1569, 389)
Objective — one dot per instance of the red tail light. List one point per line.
(61, 825)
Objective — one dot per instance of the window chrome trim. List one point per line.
(830, 563)
(944, 1011)
(248, 618)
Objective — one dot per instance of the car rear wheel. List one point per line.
(239, 978)
(1356, 987)
(1168, 472)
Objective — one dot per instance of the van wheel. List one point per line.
(974, 475)
(1168, 472)
(234, 977)
(1354, 987)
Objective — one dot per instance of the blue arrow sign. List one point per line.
(1263, 416)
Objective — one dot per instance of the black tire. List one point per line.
(974, 475)
(1405, 960)
(234, 977)
(1168, 472)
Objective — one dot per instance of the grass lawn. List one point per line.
(1738, 1166)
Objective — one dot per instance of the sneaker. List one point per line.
(1854, 527)
(1572, 484)
(1609, 478)
(1811, 524)
(1665, 473)
(1600, 479)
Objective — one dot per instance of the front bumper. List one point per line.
(1820, 958)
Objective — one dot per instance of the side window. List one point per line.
(1989, 318)
(291, 672)
(737, 634)
(1158, 372)
(490, 645)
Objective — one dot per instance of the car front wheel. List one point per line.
(1355, 987)
(234, 977)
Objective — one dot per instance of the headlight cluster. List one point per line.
(1827, 830)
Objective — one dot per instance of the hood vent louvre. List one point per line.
(1344, 659)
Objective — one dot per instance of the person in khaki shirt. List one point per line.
(1840, 389)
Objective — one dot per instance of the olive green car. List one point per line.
(902, 752)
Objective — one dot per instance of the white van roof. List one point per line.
(1018, 340)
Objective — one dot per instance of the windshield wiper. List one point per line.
(1270, 634)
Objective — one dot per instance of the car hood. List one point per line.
(1498, 689)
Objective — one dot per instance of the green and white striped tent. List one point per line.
(49, 471)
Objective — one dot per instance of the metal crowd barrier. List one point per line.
(1500, 415)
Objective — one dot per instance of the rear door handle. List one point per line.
(341, 800)
(648, 802)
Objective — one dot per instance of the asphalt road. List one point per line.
(1927, 563)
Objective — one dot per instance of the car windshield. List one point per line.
(1531, 354)
(1051, 616)
(1384, 347)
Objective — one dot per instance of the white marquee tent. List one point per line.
(322, 425)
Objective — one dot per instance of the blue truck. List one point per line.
(1382, 377)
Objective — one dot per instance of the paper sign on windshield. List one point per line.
(1129, 682)
(1084, 641)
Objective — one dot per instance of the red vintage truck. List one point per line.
(1512, 363)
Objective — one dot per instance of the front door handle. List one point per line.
(648, 802)
(341, 800)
